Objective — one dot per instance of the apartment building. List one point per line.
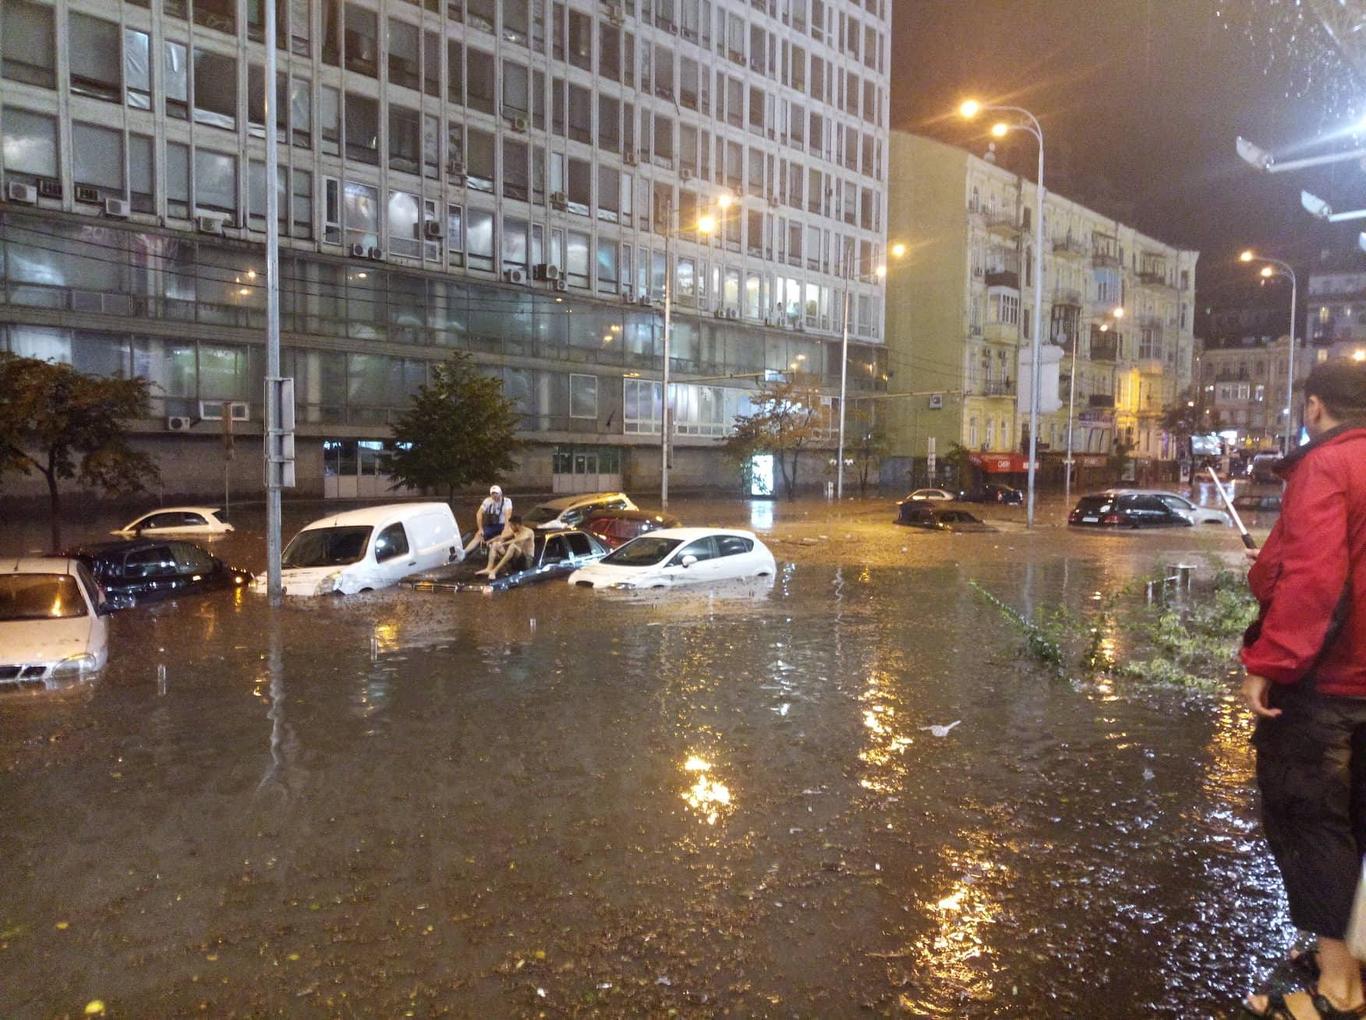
(503, 177)
(1336, 308)
(960, 312)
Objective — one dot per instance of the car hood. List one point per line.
(305, 580)
(35, 641)
(607, 575)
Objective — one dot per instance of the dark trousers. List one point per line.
(1311, 768)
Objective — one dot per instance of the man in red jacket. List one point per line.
(1306, 682)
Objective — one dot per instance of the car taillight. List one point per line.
(1110, 519)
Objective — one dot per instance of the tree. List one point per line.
(867, 443)
(1119, 458)
(460, 429)
(959, 458)
(788, 417)
(65, 424)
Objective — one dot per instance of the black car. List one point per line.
(1125, 510)
(148, 569)
(555, 554)
(936, 517)
(1252, 502)
(993, 492)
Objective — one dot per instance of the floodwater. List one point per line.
(561, 802)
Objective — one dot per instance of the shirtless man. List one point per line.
(517, 542)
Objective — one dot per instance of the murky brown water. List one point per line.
(562, 802)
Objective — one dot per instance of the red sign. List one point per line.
(1000, 463)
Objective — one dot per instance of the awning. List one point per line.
(1000, 463)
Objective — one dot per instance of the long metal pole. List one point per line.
(668, 326)
(1290, 366)
(844, 370)
(1035, 380)
(1071, 407)
(273, 422)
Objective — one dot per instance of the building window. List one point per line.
(362, 129)
(479, 239)
(29, 142)
(95, 57)
(215, 181)
(583, 396)
(28, 44)
(362, 41)
(581, 40)
(360, 214)
(404, 67)
(141, 181)
(404, 139)
(97, 157)
(215, 89)
(480, 84)
(177, 180)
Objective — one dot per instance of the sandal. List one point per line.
(1303, 1005)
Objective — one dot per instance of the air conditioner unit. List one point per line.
(374, 253)
(209, 224)
(628, 295)
(719, 314)
(547, 272)
(87, 194)
(685, 174)
(116, 207)
(179, 423)
(456, 168)
(433, 230)
(212, 410)
(514, 276)
(629, 157)
(559, 200)
(646, 301)
(561, 284)
(358, 251)
(18, 191)
(732, 313)
(519, 124)
(49, 188)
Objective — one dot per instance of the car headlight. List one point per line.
(74, 665)
(624, 585)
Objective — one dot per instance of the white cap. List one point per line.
(495, 490)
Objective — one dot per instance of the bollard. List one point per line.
(161, 679)
(1185, 575)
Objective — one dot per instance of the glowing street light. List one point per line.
(970, 108)
(1274, 268)
(1000, 130)
(898, 250)
(1115, 314)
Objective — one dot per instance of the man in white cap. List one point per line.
(490, 519)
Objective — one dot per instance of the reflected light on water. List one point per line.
(386, 637)
(708, 797)
(760, 514)
(884, 744)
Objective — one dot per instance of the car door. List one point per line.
(1180, 507)
(196, 570)
(704, 568)
(580, 549)
(555, 556)
(98, 642)
(735, 556)
(393, 553)
(150, 572)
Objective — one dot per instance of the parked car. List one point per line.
(1251, 502)
(994, 492)
(52, 623)
(362, 550)
(177, 520)
(141, 570)
(556, 554)
(1126, 510)
(1193, 512)
(1261, 468)
(678, 556)
(937, 495)
(939, 518)
(617, 527)
(569, 511)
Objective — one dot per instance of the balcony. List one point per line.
(1101, 401)
(1001, 332)
(1104, 351)
(995, 388)
(1105, 250)
(1003, 224)
(1069, 298)
(1155, 281)
(1069, 247)
(1003, 278)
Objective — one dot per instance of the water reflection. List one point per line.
(708, 797)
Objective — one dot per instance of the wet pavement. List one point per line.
(570, 803)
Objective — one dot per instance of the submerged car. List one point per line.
(1192, 512)
(617, 527)
(149, 569)
(1125, 510)
(678, 556)
(1251, 502)
(52, 623)
(939, 518)
(363, 550)
(556, 554)
(570, 511)
(177, 520)
(930, 495)
(993, 492)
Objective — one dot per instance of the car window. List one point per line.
(572, 517)
(616, 504)
(154, 561)
(40, 597)
(1175, 502)
(645, 551)
(702, 548)
(579, 545)
(555, 551)
(191, 559)
(391, 542)
(732, 545)
(88, 582)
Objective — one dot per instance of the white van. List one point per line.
(361, 550)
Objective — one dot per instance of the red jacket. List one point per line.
(1299, 577)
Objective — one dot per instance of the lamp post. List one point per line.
(1117, 313)
(1274, 268)
(898, 250)
(970, 109)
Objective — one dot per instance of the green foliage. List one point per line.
(866, 442)
(1043, 636)
(460, 430)
(1195, 646)
(66, 425)
(788, 416)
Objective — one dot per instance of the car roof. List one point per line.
(568, 502)
(38, 565)
(686, 534)
(118, 545)
(179, 510)
(630, 515)
(373, 515)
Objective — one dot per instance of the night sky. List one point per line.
(1140, 102)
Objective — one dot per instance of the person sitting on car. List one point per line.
(490, 519)
(512, 550)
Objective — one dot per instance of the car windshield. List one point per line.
(1093, 504)
(40, 597)
(326, 547)
(645, 551)
(542, 515)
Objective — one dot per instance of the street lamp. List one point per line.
(1116, 314)
(1272, 269)
(1031, 125)
(898, 250)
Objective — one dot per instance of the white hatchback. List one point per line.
(678, 556)
(52, 623)
(177, 520)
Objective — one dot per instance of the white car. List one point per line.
(568, 511)
(52, 623)
(363, 550)
(675, 556)
(177, 520)
(936, 495)
(1180, 505)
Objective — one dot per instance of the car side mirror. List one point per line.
(687, 561)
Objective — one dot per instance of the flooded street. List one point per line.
(565, 802)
